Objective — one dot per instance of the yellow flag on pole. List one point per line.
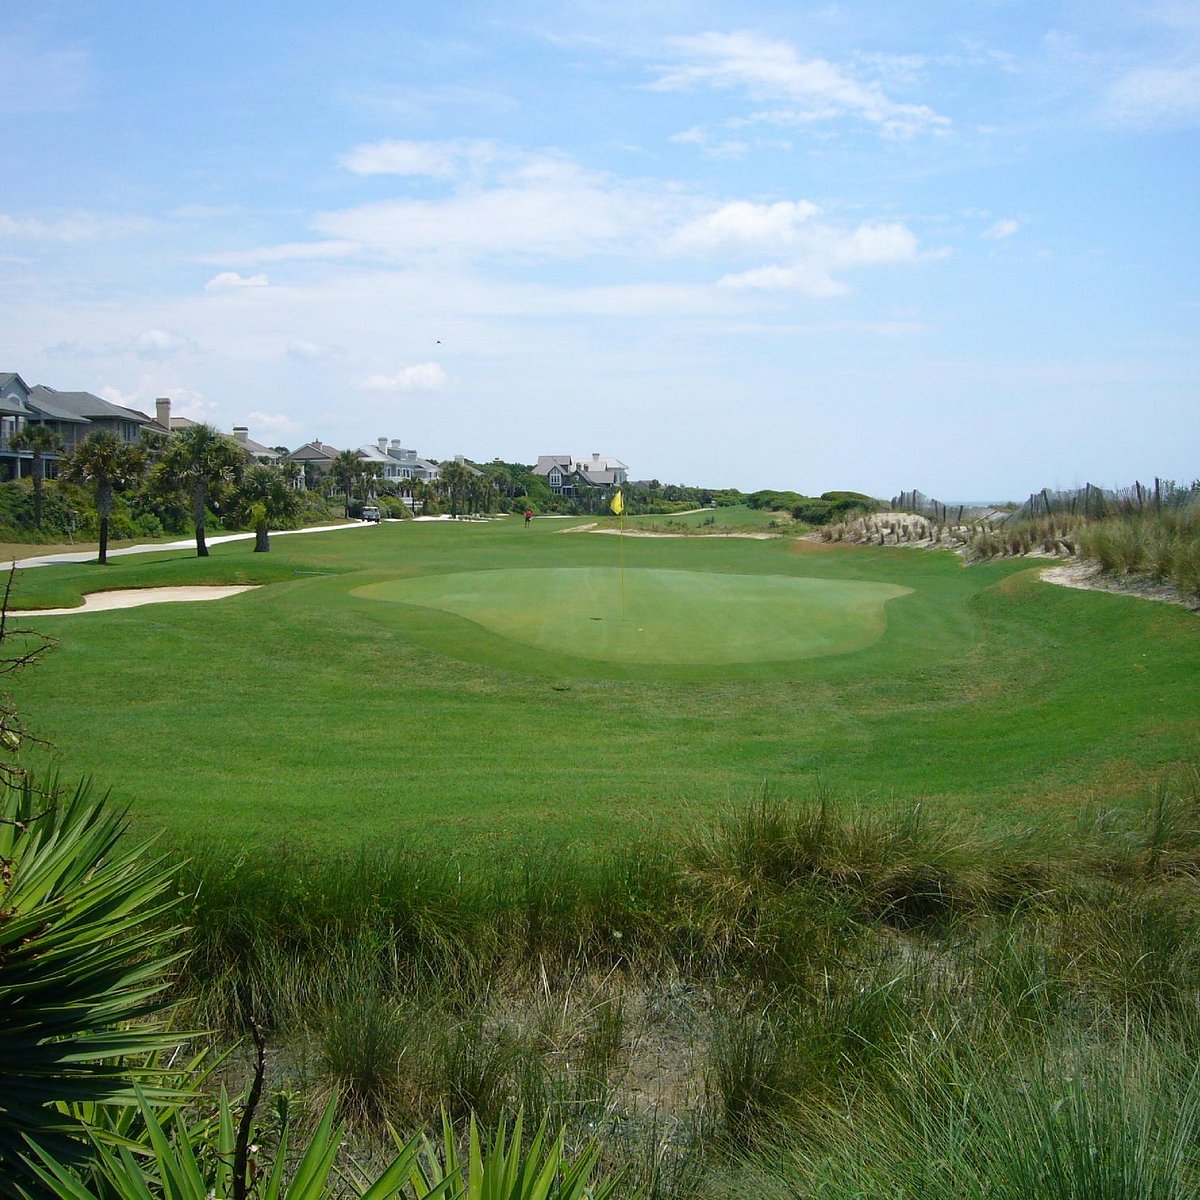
(618, 503)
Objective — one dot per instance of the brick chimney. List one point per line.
(162, 409)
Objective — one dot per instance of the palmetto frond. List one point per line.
(84, 953)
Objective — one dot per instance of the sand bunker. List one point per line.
(136, 597)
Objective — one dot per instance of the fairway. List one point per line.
(657, 616)
(476, 685)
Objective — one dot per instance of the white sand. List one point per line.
(1088, 576)
(136, 597)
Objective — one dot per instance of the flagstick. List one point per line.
(621, 540)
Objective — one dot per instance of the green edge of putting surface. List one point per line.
(646, 615)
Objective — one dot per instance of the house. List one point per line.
(574, 475)
(397, 464)
(256, 450)
(126, 423)
(314, 458)
(71, 415)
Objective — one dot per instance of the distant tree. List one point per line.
(201, 461)
(454, 482)
(344, 471)
(154, 443)
(107, 465)
(41, 442)
(369, 476)
(266, 498)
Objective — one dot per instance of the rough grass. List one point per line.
(785, 1003)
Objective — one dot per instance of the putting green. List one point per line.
(657, 616)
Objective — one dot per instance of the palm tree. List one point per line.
(41, 441)
(344, 470)
(201, 461)
(107, 465)
(267, 498)
(369, 475)
(454, 482)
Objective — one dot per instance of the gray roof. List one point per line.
(84, 404)
(258, 449)
(48, 408)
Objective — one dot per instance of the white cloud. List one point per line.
(275, 422)
(545, 206)
(771, 70)
(51, 79)
(227, 280)
(1157, 96)
(190, 404)
(872, 245)
(422, 377)
(824, 250)
(1002, 229)
(116, 396)
(742, 226)
(285, 252)
(74, 227)
(724, 148)
(162, 343)
(437, 160)
(305, 351)
(800, 277)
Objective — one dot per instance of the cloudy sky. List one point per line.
(947, 245)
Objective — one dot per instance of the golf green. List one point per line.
(647, 615)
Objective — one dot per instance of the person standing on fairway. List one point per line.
(528, 515)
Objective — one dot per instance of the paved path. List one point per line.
(83, 556)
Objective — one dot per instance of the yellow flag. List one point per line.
(618, 503)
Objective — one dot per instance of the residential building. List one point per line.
(126, 423)
(256, 450)
(397, 464)
(71, 415)
(577, 474)
(314, 457)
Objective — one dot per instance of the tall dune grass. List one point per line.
(757, 1001)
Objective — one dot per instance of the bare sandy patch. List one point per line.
(1089, 576)
(137, 597)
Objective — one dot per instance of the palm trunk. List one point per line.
(198, 506)
(262, 538)
(38, 472)
(104, 503)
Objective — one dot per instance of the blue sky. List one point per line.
(950, 246)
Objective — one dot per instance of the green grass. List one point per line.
(647, 615)
(308, 712)
(730, 518)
